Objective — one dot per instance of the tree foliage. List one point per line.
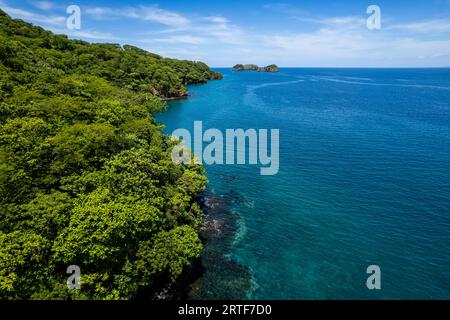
(86, 176)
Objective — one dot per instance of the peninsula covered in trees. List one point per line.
(254, 67)
(86, 176)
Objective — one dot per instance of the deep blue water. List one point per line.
(364, 179)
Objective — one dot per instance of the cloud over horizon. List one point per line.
(221, 40)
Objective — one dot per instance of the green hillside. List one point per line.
(86, 176)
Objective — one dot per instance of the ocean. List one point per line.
(364, 179)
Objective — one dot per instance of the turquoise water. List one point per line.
(364, 179)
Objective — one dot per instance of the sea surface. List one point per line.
(364, 180)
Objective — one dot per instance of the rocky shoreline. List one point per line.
(222, 277)
(214, 275)
(215, 76)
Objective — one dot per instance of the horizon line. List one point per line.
(351, 67)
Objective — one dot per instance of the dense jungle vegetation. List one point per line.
(86, 176)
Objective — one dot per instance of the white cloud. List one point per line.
(175, 21)
(217, 19)
(331, 46)
(336, 41)
(155, 14)
(91, 35)
(145, 13)
(88, 34)
(34, 17)
(430, 26)
(345, 21)
(43, 5)
(189, 39)
(231, 35)
(99, 12)
(208, 30)
(329, 41)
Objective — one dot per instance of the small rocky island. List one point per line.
(254, 67)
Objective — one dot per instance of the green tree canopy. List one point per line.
(86, 176)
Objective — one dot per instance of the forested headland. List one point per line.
(86, 176)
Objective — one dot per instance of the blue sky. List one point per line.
(289, 33)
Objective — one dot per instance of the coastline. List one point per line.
(215, 275)
(137, 194)
(222, 277)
